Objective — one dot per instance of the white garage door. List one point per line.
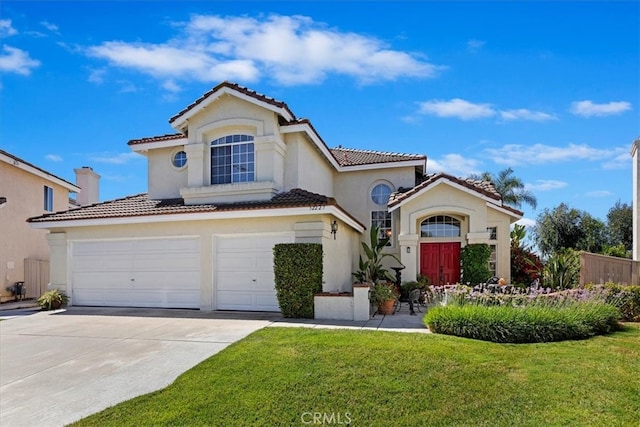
(244, 272)
(137, 273)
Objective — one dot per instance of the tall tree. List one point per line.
(620, 225)
(568, 228)
(510, 187)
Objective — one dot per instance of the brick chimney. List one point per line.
(635, 153)
(89, 183)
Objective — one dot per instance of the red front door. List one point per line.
(440, 262)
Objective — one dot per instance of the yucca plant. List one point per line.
(562, 269)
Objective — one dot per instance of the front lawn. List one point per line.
(288, 376)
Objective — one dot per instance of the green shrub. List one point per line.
(298, 276)
(52, 300)
(474, 259)
(562, 269)
(528, 324)
(625, 297)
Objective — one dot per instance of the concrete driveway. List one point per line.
(58, 367)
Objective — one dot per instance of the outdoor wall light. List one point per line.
(334, 228)
(408, 249)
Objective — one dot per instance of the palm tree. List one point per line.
(510, 187)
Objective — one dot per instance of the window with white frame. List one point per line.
(179, 159)
(232, 159)
(48, 199)
(493, 233)
(440, 226)
(381, 218)
(493, 260)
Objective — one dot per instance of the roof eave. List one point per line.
(180, 121)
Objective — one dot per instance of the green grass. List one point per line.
(275, 376)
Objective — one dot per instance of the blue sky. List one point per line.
(551, 89)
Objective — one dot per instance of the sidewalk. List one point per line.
(402, 321)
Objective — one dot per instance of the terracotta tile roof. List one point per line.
(485, 188)
(141, 205)
(168, 137)
(238, 88)
(18, 159)
(353, 157)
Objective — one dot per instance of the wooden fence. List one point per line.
(36, 277)
(600, 269)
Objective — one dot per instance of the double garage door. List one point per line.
(165, 272)
(137, 273)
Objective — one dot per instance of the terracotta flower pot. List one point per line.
(386, 307)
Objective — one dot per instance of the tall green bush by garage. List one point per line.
(298, 275)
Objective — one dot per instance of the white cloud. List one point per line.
(456, 108)
(97, 76)
(49, 26)
(517, 154)
(588, 109)
(290, 49)
(527, 222)
(524, 114)
(599, 193)
(474, 45)
(545, 185)
(6, 28)
(453, 164)
(620, 160)
(14, 60)
(114, 159)
(127, 87)
(53, 158)
(171, 86)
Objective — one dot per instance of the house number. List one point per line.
(317, 208)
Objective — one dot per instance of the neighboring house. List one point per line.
(635, 154)
(25, 191)
(241, 174)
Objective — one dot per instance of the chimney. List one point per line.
(89, 183)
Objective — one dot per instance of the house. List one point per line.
(26, 191)
(635, 154)
(242, 173)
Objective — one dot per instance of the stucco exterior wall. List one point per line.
(338, 254)
(25, 198)
(165, 180)
(306, 168)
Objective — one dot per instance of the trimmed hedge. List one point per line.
(528, 324)
(474, 260)
(298, 276)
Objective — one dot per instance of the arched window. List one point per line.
(380, 216)
(232, 159)
(440, 226)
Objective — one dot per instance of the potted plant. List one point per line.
(383, 295)
(52, 300)
(371, 271)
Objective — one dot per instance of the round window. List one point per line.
(380, 194)
(180, 159)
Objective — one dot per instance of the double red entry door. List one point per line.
(440, 262)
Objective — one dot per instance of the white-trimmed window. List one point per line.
(381, 217)
(440, 226)
(48, 199)
(179, 159)
(493, 233)
(493, 260)
(232, 159)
